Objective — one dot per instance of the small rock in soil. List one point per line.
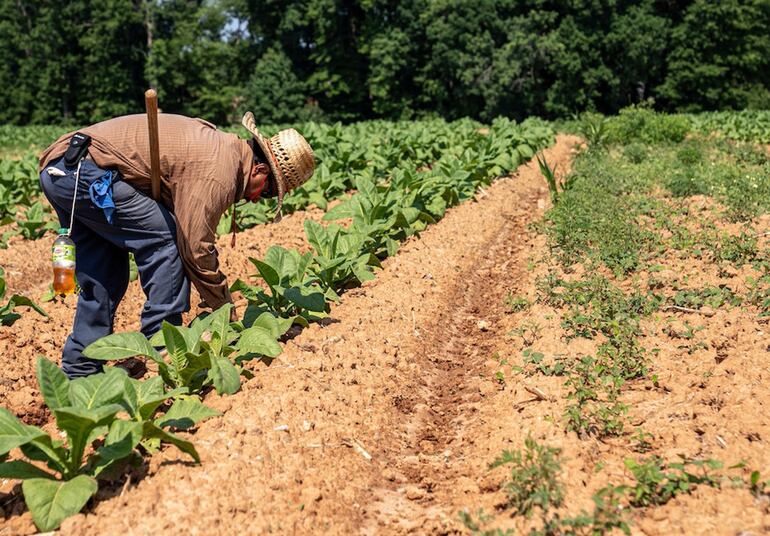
(413, 493)
(483, 325)
(389, 474)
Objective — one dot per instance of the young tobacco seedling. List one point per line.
(291, 291)
(341, 256)
(85, 410)
(208, 352)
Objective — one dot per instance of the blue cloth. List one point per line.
(140, 226)
(101, 194)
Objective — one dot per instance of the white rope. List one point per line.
(74, 197)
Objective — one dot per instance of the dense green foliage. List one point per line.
(83, 61)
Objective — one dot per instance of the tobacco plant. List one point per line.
(60, 476)
(8, 314)
(207, 353)
(292, 290)
(341, 256)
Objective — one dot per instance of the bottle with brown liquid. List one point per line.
(63, 258)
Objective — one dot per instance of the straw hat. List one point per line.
(288, 154)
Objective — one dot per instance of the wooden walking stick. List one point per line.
(151, 104)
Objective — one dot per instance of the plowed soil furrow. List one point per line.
(453, 351)
(357, 415)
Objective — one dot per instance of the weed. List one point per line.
(533, 478)
(635, 153)
(593, 127)
(516, 304)
(476, 526)
(529, 331)
(641, 123)
(759, 294)
(642, 441)
(690, 153)
(658, 482)
(606, 516)
(737, 250)
(555, 186)
(713, 297)
(558, 368)
(757, 486)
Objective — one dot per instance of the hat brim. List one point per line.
(250, 124)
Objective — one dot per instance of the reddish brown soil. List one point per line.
(384, 420)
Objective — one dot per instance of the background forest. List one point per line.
(81, 61)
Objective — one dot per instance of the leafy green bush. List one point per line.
(641, 123)
(635, 153)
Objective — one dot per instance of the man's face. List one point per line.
(258, 181)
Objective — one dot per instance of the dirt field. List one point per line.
(384, 420)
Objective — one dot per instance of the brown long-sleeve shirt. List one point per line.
(203, 172)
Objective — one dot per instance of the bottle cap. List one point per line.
(63, 231)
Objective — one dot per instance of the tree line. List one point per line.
(79, 61)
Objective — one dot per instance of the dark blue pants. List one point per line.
(140, 226)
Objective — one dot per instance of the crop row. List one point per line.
(109, 418)
(746, 125)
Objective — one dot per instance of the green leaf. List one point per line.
(186, 413)
(14, 433)
(339, 212)
(157, 339)
(120, 442)
(276, 326)
(175, 344)
(120, 346)
(45, 449)
(150, 430)
(219, 326)
(525, 151)
(54, 384)
(151, 393)
(259, 340)
(52, 501)
(224, 375)
(21, 470)
(249, 292)
(78, 423)
(282, 260)
(306, 299)
(98, 389)
(267, 272)
(18, 300)
(317, 237)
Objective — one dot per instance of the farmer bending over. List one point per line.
(203, 172)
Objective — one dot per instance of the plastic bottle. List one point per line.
(63, 259)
